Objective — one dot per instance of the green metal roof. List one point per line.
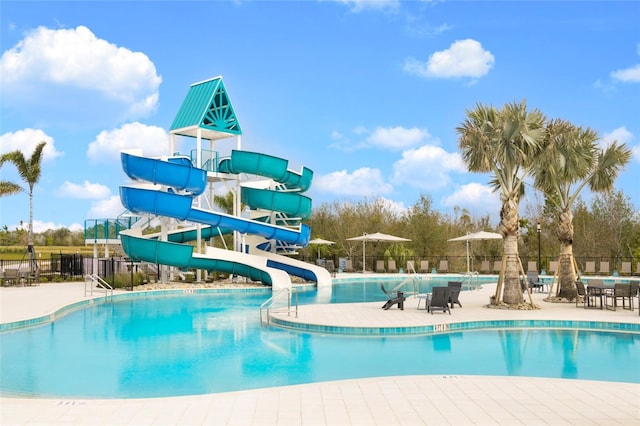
(207, 107)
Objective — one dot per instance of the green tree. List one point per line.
(570, 161)
(30, 171)
(503, 142)
(9, 188)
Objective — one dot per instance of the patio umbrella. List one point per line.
(375, 237)
(482, 235)
(319, 242)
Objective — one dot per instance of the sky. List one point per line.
(367, 94)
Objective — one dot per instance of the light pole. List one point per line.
(539, 231)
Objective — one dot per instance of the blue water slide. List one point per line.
(139, 200)
(176, 172)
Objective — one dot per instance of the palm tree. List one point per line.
(9, 188)
(570, 161)
(503, 142)
(29, 170)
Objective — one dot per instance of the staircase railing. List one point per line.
(94, 282)
(268, 305)
(471, 280)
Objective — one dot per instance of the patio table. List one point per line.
(596, 292)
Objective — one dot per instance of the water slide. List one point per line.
(184, 182)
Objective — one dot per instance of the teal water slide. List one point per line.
(176, 202)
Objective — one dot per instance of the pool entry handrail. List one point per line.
(93, 281)
(277, 296)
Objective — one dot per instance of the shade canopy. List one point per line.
(476, 236)
(482, 235)
(378, 236)
(319, 242)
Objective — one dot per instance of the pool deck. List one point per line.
(406, 400)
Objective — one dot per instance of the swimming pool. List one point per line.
(213, 342)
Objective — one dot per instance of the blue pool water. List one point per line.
(194, 344)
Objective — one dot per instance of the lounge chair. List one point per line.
(534, 281)
(497, 266)
(424, 267)
(604, 268)
(439, 300)
(553, 266)
(444, 266)
(399, 299)
(454, 292)
(348, 266)
(485, 267)
(532, 266)
(590, 267)
(330, 266)
(379, 265)
(625, 268)
(391, 266)
(11, 276)
(411, 266)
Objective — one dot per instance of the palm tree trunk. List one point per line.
(566, 272)
(509, 229)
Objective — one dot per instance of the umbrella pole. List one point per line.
(363, 255)
(467, 255)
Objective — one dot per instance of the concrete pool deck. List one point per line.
(419, 400)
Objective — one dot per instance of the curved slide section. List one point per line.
(139, 200)
(176, 172)
(290, 203)
(268, 166)
(140, 248)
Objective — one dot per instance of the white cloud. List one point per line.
(627, 75)
(465, 58)
(621, 134)
(363, 182)
(86, 190)
(477, 198)
(111, 207)
(360, 5)
(47, 59)
(26, 141)
(106, 148)
(392, 138)
(397, 137)
(427, 167)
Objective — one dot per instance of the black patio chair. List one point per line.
(439, 300)
(391, 300)
(534, 281)
(454, 292)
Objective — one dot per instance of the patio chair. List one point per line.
(553, 266)
(590, 267)
(454, 292)
(11, 276)
(379, 265)
(411, 266)
(620, 291)
(634, 291)
(638, 268)
(497, 266)
(534, 281)
(439, 300)
(625, 268)
(604, 268)
(582, 294)
(532, 266)
(391, 266)
(485, 267)
(391, 300)
(444, 266)
(424, 266)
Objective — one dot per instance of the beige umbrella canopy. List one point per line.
(478, 236)
(375, 237)
(319, 242)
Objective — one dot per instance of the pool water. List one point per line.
(196, 344)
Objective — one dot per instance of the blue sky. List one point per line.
(365, 93)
